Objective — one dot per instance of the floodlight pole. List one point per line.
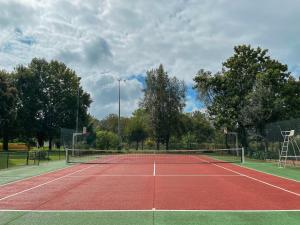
(119, 116)
(77, 111)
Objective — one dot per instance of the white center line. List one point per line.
(154, 168)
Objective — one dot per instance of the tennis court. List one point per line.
(151, 182)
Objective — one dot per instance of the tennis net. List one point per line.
(155, 156)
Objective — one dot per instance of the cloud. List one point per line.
(107, 39)
(104, 90)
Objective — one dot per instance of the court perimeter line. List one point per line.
(252, 178)
(48, 182)
(267, 173)
(151, 210)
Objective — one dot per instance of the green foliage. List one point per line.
(110, 123)
(48, 99)
(136, 129)
(163, 100)
(247, 93)
(197, 124)
(106, 140)
(8, 107)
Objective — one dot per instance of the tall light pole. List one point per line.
(119, 117)
(77, 111)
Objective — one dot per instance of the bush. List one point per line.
(106, 140)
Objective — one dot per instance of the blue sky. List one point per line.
(103, 40)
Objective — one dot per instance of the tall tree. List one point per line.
(163, 100)
(228, 93)
(8, 100)
(49, 94)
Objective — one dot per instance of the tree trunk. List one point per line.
(5, 141)
(137, 145)
(167, 143)
(50, 143)
(40, 140)
(157, 144)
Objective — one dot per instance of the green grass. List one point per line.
(19, 158)
(150, 218)
(272, 168)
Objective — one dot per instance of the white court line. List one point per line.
(45, 183)
(150, 210)
(154, 168)
(38, 175)
(267, 173)
(252, 178)
(162, 175)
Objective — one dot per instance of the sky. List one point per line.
(103, 40)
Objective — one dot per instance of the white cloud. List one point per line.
(105, 92)
(120, 38)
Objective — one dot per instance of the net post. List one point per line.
(243, 155)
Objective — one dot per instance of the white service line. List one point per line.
(162, 175)
(252, 178)
(43, 184)
(154, 169)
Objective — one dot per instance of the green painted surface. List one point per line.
(17, 173)
(272, 168)
(150, 218)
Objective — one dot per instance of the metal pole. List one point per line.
(119, 117)
(77, 113)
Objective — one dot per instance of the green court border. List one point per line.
(151, 217)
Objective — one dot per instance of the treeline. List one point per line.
(160, 120)
(250, 90)
(38, 99)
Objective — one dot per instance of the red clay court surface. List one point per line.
(216, 186)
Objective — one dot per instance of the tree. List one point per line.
(194, 128)
(8, 99)
(163, 100)
(106, 140)
(110, 123)
(246, 78)
(48, 94)
(137, 127)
